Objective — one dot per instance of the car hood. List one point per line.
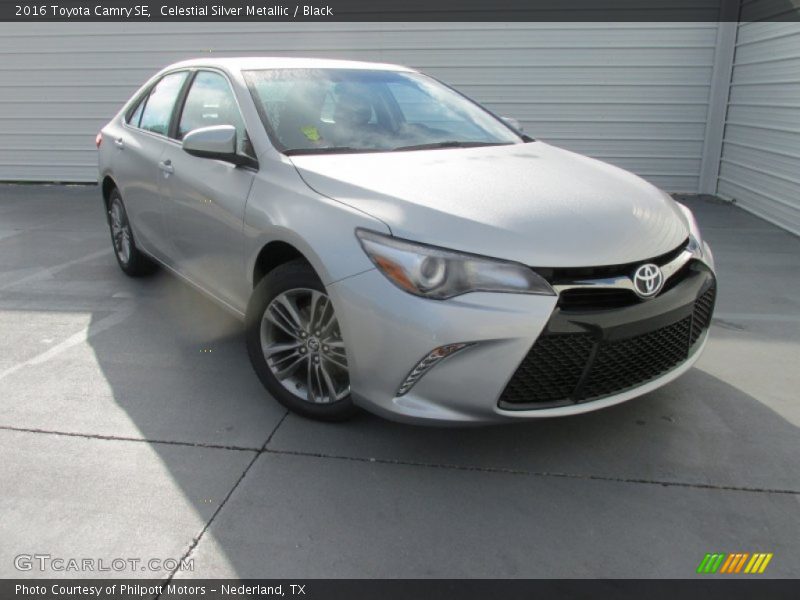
(532, 203)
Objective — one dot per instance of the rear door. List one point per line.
(206, 198)
(138, 149)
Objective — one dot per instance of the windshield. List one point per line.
(309, 111)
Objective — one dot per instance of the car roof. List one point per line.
(248, 63)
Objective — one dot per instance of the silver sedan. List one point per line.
(390, 244)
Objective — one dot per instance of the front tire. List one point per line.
(130, 259)
(296, 346)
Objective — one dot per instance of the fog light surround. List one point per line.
(433, 358)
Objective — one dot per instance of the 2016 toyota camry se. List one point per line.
(392, 245)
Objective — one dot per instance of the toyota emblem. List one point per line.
(647, 280)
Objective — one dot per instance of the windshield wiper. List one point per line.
(330, 149)
(351, 150)
(335, 150)
(448, 144)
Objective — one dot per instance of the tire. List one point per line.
(295, 344)
(130, 259)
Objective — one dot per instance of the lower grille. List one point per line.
(551, 370)
(627, 363)
(567, 368)
(701, 317)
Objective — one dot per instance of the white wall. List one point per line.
(760, 166)
(634, 94)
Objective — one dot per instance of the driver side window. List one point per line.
(210, 101)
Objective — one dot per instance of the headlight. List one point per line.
(695, 239)
(438, 273)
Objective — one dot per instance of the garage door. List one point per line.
(634, 94)
(760, 166)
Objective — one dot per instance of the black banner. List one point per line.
(399, 10)
(733, 588)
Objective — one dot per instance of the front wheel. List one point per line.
(296, 346)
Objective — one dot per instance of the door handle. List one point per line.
(119, 143)
(166, 166)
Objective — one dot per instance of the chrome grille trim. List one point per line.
(624, 282)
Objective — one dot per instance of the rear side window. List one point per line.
(210, 102)
(160, 103)
(136, 116)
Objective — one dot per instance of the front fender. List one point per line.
(281, 207)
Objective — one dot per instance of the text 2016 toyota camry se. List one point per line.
(392, 245)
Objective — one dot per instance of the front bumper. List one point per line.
(388, 331)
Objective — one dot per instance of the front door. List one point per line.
(206, 198)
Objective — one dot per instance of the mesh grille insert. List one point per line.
(551, 370)
(627, 363)
(702, 313)
(576, 367)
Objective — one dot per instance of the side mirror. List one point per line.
(217, 142)
(512, 122)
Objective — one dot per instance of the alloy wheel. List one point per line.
(120, 232)
(303, 346)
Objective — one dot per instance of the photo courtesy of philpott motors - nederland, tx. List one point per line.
(134, 590)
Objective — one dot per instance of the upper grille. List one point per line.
(556, 275)
(578, 367)
(596, 298)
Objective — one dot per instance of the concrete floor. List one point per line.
(121, 438)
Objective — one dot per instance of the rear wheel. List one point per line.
(130, 259)
(296, 346)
